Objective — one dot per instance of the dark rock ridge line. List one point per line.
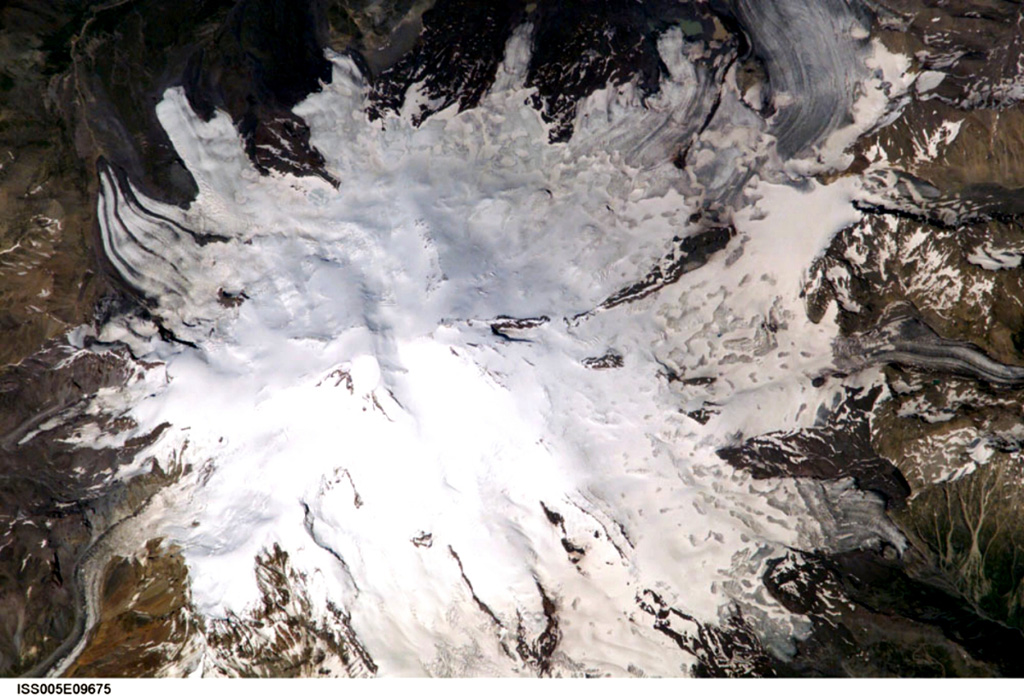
(308, 522)
(607, 361)
(536, 654)
(539, 653)
(510, 328)
(481, 605)
(692, 253)
(840, 447)
(951, 214)
(573, 551)
(732, 650)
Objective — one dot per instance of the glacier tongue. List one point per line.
(394, 380)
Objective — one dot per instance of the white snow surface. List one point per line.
(357, 399)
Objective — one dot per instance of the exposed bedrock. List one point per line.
(48, 282)
(112, 63)
(928, 285)
(945, 163)
(284, 637)
(79, 81)
(962, 281)
(147, 626)
(58, 499)
(874, 614)
(577, 48)
(454, 61)
(959, 444)
(732, 650)
(959, 134)
(972, 154)
(933, 447)
(265, 57)
(838, 448)
(945, 454)
(580, 47)
(144, 618)
(96, 71)
(692, 253)
(977, 45)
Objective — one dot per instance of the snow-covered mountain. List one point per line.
(570, 339)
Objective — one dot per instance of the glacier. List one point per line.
(410, 380)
